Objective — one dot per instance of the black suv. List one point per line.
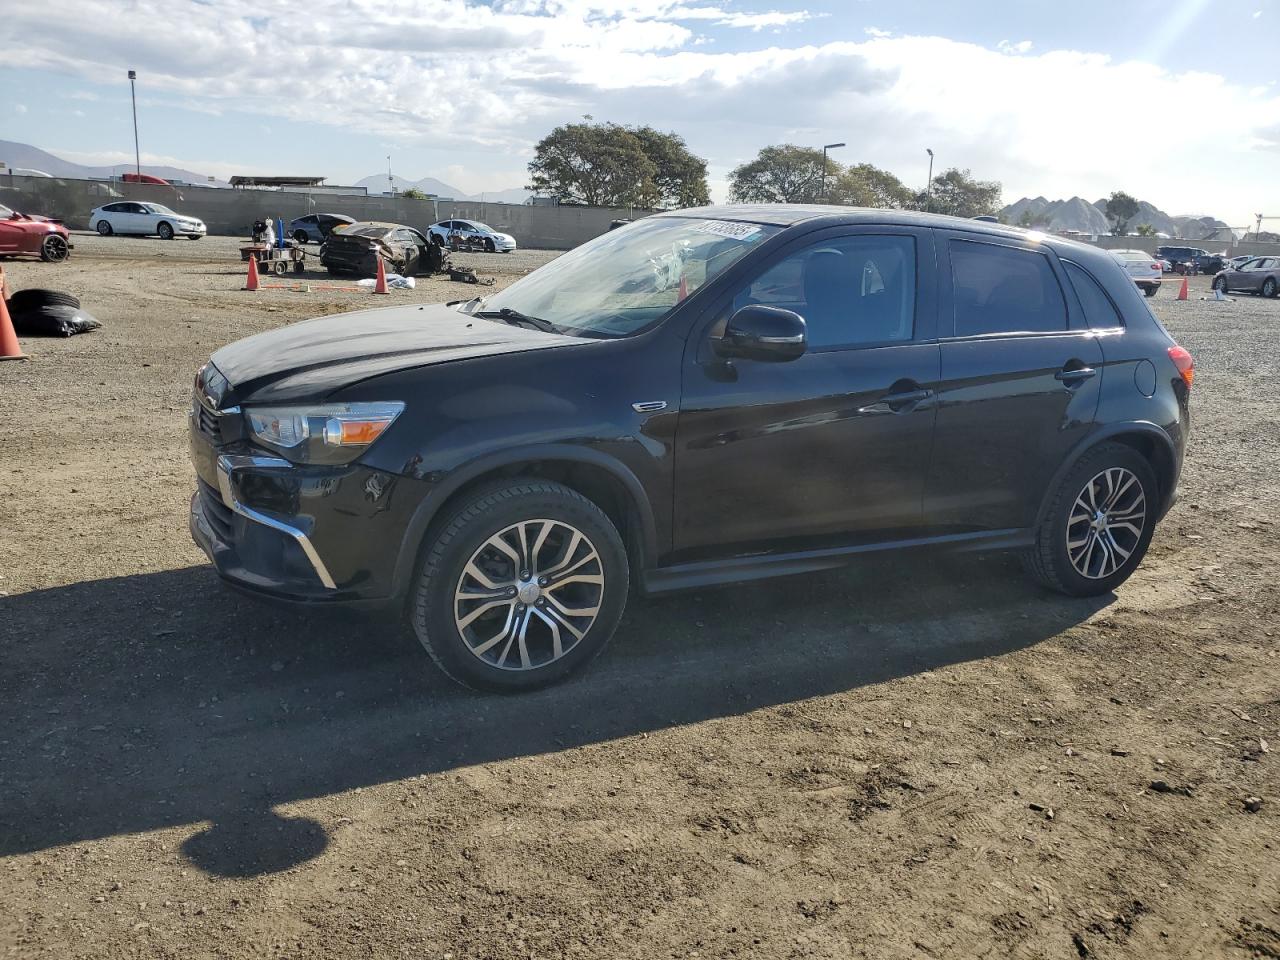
(1202, 260)
(699, 397)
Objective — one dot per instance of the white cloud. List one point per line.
(19, 108)
(492, 78)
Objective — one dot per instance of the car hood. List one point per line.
(310, 360)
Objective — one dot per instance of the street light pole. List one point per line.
(391, 182)
(133, 95)
(928, 190)
(825, 148)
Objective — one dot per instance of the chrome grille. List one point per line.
(208, 423)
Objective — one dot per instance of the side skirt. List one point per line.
(704, 573)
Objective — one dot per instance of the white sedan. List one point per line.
(144, 219)
(1145, 270)
(471, 233)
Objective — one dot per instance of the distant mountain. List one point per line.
(24, 156)
(430, 185)
(1075, 214)
(1079, 215)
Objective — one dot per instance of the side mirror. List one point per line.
(763, 333)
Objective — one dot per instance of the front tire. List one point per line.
(1220, 283)
(1098, 525)
(104, 229)
(1269, 287)
(490, 246)
(54, 249)
(300, 236)
(523, 584)
(165, 231)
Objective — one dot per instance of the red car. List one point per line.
(24, 235)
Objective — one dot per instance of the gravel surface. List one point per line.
(909, 758)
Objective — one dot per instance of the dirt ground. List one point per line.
(913, 757)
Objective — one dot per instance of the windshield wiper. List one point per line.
(516, 319)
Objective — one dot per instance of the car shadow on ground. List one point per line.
(164, 699)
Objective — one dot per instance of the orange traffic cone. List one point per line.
(683, 291)
(252, 282)
(381, 285)
(9, 349)
(1182, 291)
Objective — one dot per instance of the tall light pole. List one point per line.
(133, 95)
(928, 190)
(825, 148)
(391, 181)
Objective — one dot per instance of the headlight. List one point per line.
(326, 433)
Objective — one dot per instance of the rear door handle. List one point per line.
(898, 402)
(1075, 377)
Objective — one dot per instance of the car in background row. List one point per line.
(1145, 271)
(23, 234)
(1255, 275)
(472, 232)
(145, 220)
(1197, 257)
(316, 227)
(355, 249)
(704, 396)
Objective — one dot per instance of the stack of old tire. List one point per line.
(48, 313)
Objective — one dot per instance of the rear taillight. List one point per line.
(1155, 266)
(1186, 366)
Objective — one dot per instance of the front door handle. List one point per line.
(903, 402)
(1073, 377)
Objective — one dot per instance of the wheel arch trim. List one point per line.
(429, 508)
(1117, 431)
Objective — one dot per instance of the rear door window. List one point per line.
(1099, 311)
(1000, 290)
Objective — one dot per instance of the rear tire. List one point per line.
(1220, 283)
(501, 630)
(1072, 555)
(104, 228)
(165, 231)
(34, 299)
(1150, 289)
(1269, 287)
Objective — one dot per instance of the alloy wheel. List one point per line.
(529, 594)
(1106, 523)
(54, 249)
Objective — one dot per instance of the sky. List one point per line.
(1174, 101)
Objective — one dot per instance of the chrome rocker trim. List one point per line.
(227, 465)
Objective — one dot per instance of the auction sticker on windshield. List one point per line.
(727, 228)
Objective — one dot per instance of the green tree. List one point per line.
(1145, 230)
(782, 173)
(413, 193)
(608, 165)
(957, 194)
(1033, 221)
(864, 185)
(1121, 208)
(681, 178)
(599, 164)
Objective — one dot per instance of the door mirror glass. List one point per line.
(757, 332)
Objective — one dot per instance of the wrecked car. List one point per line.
(355, 250)
(24, 234)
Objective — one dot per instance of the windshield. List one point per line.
(5, 211)
(628, 279)
(161, 208)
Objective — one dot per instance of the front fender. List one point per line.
(445, 488)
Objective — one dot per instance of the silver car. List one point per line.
(471, 233)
